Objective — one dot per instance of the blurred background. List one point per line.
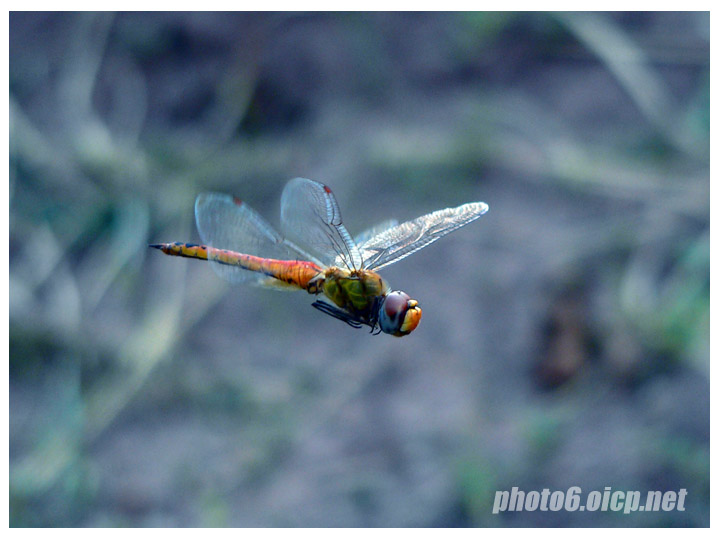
(565, 334)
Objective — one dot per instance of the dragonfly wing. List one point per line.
(226, 222)
(372, 232)
(402, 240)
(311, 216)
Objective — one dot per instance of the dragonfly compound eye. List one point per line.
(399, 314)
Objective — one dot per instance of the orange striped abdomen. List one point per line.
(294, 273)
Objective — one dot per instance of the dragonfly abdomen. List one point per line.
(295, 273)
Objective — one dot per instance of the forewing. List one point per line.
(402, 240)
(311, 217)
(372, 232)
(225, 222)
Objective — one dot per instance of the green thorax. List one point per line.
(353, 290)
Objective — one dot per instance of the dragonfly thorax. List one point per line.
(356, 291)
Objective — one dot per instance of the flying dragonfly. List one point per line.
(317, 254)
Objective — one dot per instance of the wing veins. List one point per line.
(402, 240)
(311, 216)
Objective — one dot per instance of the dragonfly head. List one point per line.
(399, 314)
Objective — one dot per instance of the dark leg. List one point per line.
(338, 313)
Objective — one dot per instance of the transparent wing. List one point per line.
(311, 217)
(225, 222)
(402, 240)
(364, 236)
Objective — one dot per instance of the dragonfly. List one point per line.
(317, 254)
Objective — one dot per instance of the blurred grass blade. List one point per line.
(631, 67)
(108, 259)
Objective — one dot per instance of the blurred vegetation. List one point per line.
(565, 338)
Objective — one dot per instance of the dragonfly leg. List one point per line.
(338, 313)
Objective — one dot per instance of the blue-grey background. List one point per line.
(565, 336)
